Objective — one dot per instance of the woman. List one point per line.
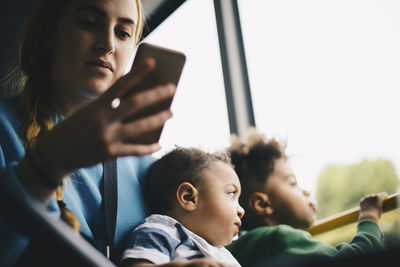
(74, 113)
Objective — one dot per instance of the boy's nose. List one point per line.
(240, 212)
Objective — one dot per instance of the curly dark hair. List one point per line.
(254, 162)
(167, 173)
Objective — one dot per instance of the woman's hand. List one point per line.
(98, 132)
(371, 206)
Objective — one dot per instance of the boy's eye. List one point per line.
(232, 194)
(292, 181)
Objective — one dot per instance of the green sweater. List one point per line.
(283, 244)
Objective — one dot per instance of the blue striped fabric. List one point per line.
(161, 239)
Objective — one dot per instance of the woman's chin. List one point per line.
(96, 89)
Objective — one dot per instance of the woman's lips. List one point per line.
(100, 65)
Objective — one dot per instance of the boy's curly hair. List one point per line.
(254, 162)
(167, 173)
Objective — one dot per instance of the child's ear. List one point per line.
(260, 204)
(187, 196)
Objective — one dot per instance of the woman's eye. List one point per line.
(87, 24)
(123, 34)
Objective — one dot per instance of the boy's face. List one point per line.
(218, 205)
(291, 204)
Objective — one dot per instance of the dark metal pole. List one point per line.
(237, 86)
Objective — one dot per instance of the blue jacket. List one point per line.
(82, 192)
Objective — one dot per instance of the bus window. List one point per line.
(324, 75)
(200, 113)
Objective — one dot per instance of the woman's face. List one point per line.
(92, 47)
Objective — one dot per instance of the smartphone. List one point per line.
(168, 69)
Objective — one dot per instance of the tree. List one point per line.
(340, 187)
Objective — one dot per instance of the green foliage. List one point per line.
(341, 187)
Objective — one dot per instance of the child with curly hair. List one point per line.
(277, 208)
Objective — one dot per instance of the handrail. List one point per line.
(348, 217)
(60, 244)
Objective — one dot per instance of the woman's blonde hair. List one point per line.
(35, 103)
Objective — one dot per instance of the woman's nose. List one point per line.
(106, 42)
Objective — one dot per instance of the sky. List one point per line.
(324, 75)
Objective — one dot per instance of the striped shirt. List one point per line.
(161, 239)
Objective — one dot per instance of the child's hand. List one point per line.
(371, 206)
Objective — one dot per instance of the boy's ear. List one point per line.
(187, 196)
(260, 204)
